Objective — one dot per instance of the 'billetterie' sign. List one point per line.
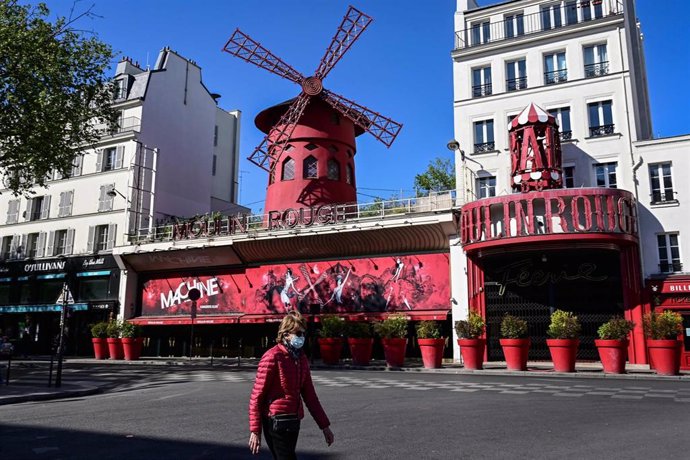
(586, 210)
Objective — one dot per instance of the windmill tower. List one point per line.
(309, 146)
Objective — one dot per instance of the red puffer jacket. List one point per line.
(280, 380)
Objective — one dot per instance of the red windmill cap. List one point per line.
(532, 114)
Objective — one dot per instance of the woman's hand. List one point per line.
(328, 434)
(255, 442)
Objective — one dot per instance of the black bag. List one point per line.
(285, 423)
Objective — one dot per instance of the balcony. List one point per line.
(566, 135)
(124, 125)
(534, 23)
(557, 76)
(596, 70)
(481, 90)
(484, 147)
(670, 267)
(515, 84)
(665, 197)
(603, 130)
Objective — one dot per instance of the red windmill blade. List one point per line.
(268, 153)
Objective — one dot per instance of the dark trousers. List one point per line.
(282, 445)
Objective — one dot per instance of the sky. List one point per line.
(400, 67)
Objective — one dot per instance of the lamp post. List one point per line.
(193, 295)
(66, 298)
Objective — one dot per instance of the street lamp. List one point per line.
(66, 297)
(113, 192)
(193, 295)
(454, 146)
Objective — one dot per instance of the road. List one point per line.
(162, 412)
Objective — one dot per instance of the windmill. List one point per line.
(309, 146)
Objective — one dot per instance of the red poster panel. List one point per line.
(383, 284)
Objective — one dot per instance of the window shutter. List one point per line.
(90, 244)
(102, 197)
(29, 209)
(119, 156)
(108, 204)
(14, 245)
(68, 202)
(41, 244)
(99, 160)
(61, 205)
(45, 207)
(57, 176)
(112, 234)
(69, 245)
(51, 243)
(76, 166)
(12, 211)
(21, 249)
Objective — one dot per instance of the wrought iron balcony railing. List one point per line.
(515, 84)
(124, 125)
(596, 70)
(667, 196)
(566, 135)
(484, 147)
(670, 267)
(603, 130)
(481, 31)
(557, 76)
(481, 90)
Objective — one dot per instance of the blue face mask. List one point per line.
(297, 342)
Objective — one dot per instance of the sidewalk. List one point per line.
(25, 391)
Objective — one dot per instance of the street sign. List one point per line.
(65, 291)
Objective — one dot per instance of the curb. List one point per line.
(31, 397)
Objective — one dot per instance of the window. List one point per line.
(93, 289)
(600, 118)
(288, 169)
(65, 207)
(35, 245)
(555, 70)
(121, 88)
(669, 253)
(591, 9)
(333, 170)
(310, 168)
(596, 61)
(486, 187)
(516, 75)
(480, 33)
(514, 25)
(571, 12)
(110, 159)
(481, 81)
(215, 136)
(60, 242)
(562, 115)
(484, 136)
(569, 176)
(662, 184)
(606, 174)
(551, 16)
(13, 211)
(105, 201)
(101, 238)
(38, 208)
(349, 177)
(213, 165)
(76, 166)
(6, 249)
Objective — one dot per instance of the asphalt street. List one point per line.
(201, 413)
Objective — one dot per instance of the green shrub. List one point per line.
(99, 330)
(662, 326)
(564, 325)
(428, 330)
(358, 330)
(331, 326)
(130, 330)
(113, 329)
(472, 328)
(393, 327)
(513, 327)
(616, 328)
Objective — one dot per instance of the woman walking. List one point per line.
(283, 380)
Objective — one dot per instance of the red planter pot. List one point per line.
(515, 351)
(394, 351)
(665, 354)
(331, 349)
(115, 348)
(432, 352)
(100, 348)
(132, 348)
(360, 350)
(472, 351)
(563, 353)
(613, 354)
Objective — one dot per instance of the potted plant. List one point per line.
(515, 342)
(612, 344)
(131, 340)
(661, 330)
(430, 343)
(564, 331)
(470, 340)
(99, 332)
(359, 338)
(331, 338)
(393, 331)
(114, 340)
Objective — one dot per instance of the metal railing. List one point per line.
(603, 130)
(479, 32)
(481, 90)
(566, 135)
(124, 125)
(514, 84)
(484, 147)
(597, 69)
(556, 76)
(667, 196)
(670, 267)
(257, 224)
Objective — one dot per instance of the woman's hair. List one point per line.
(292, 319)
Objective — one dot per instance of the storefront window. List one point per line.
(93, 289)
(25, 293)
(4, 293)
(49, 291)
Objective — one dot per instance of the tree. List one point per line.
(439, 175)
(53, 94)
